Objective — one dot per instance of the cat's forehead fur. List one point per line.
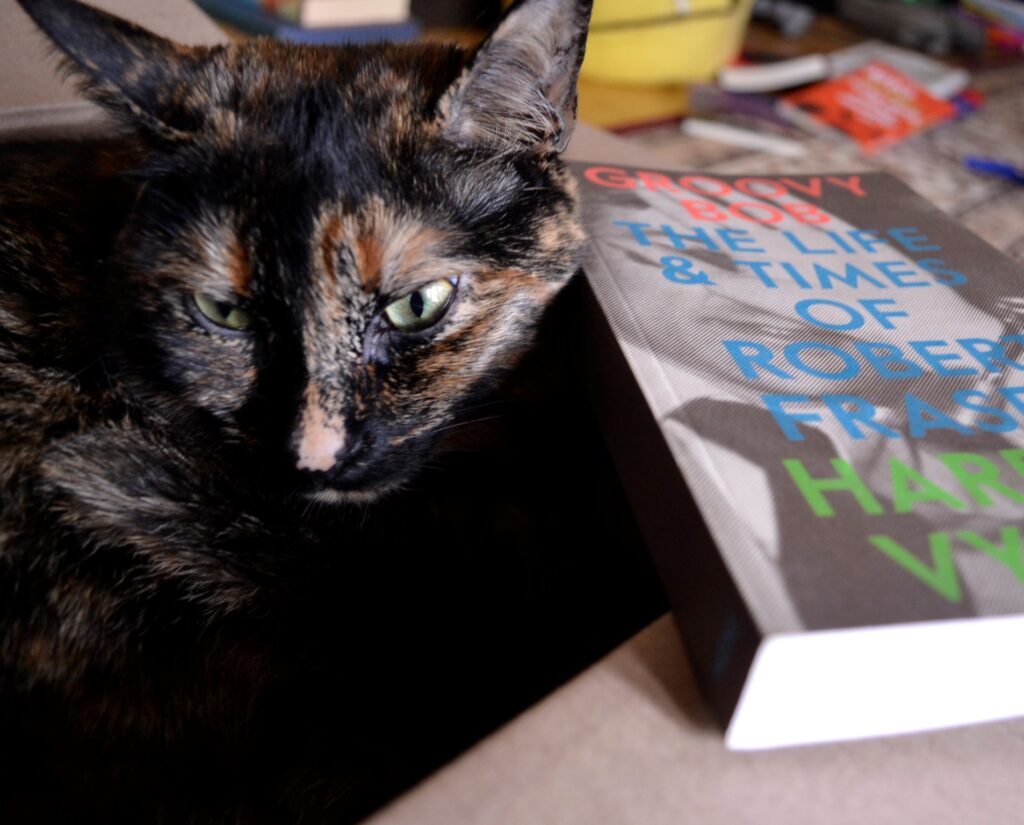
(346, 147)
(312, 96)
(391, 134)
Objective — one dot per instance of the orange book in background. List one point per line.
(876, 105)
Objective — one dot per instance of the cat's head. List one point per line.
(335, 249)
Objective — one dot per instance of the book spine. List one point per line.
(242, 14)
(718, 629)
(333, 14)
(289, 11)
(350, 35)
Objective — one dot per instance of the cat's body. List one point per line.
(162, 599)
(277, 300)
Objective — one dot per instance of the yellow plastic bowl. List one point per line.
(663, 41)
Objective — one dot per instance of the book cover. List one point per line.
(813, 388)
(876, 105)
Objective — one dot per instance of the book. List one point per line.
(875, 104)
(813, 390)
(746, 120)
(743, 137)
(252, 19)
(321, 13)
(938, 78)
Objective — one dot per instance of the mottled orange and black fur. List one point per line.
(178, 498)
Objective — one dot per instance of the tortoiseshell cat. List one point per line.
(215, 338)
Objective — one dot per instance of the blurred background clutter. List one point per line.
(929, 90)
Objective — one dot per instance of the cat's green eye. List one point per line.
(226, 316)
(422, 308)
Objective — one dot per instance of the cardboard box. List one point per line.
(627, 741)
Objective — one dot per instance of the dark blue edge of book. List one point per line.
(250, 18)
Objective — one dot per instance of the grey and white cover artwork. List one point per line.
(838, 370)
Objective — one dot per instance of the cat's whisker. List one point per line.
(460, 424)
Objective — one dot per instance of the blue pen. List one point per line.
(998, 168)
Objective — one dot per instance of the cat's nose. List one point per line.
(319, 450)
(321, 441)
(330, 450)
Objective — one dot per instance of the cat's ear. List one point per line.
(518, 93)
(127, 69)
